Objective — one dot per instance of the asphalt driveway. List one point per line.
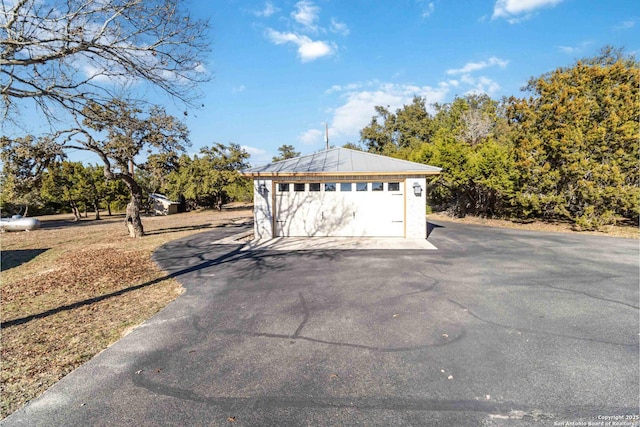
(495, 327)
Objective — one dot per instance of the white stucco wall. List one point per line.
(416, 209)
(415, 218)
(262, 209)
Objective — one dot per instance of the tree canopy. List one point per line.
(576, 141)
(568, 151)
(24, 161)
(286, 152)
(117, 133)
(87, 62)
(211, 178)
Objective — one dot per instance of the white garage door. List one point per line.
(339, 209)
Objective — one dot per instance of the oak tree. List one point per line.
(24, 161)
(209, 179)
(64, 182)
(396, 134)
(117, 133)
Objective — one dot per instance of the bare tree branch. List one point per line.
(66, 53)
(476, 125)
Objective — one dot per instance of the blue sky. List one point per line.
(282, 69)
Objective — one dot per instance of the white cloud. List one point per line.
(517, 10)
(467, 79)
(306, 14)
(238, 89)
(358, 109)
(487, 85)
(332, 89)
(105, 75)
(339, 27)
(268, 10)
(475, 66)
(308, 50)
(625, 25)
(480, 85)
(567, 49)
(311, 137)
(359, 104)
(427, 8)
(357, 101)
(254, 151)
(258, 155)
(343, 88)
(574, 49)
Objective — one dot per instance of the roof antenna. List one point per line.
(326, 134)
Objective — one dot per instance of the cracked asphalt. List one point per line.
(496, 327)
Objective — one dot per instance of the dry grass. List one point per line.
(624, 231)
(69, 290)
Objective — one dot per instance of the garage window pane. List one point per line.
(314, 186)
(298, 187)
(345, 186)
(283, 187)
(329, 186)
(377, 186)
(394, 186)
(361, 186)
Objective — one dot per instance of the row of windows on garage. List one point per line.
(284, 187)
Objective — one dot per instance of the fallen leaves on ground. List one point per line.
(78, 277)
(88, 285)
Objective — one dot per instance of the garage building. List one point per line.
(340, 192)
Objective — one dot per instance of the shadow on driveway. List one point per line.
(496, 326)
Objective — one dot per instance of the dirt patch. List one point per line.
(71, 289)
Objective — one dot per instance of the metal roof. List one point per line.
(341, 161)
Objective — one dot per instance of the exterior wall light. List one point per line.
(262, 189)
(417, 189)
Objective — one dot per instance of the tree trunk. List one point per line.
(132, 218)
(96, 207)
(26, 211)
(76, 211)
(109, 207)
